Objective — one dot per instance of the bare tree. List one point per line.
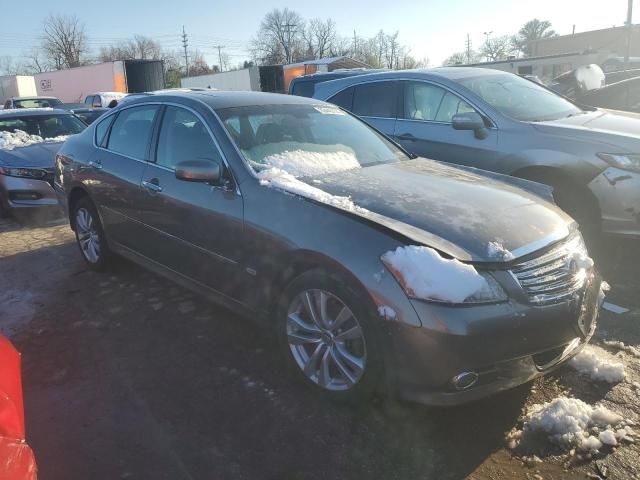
(530, 32)
(64, 41)
(139, 47)
(279, 38)
(392, 51)
(8, 66)
(319, 36)
(198, 65)
(497, 48)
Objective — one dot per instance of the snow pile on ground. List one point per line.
(11, 140)
(386, 312)
(425, 274)
(569, 422)
(496, 250)
(277, 178)
(300, 163)
(622, 347)
(598, 365)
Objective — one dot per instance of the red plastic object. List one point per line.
(16, 458)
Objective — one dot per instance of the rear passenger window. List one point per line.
(131, 131)
(343, 99)
(377, 99)
(101, 130)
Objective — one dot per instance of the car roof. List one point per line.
(32, 112)
(34, 98)
(226, 99)
(321, 76)
(445, 74)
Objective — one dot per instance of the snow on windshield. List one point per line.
(428, 275)
(277, 178)
(11, 140)
(303, 159)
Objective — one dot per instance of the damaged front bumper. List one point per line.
(618, 192)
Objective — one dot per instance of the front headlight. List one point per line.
(425, 275)
(625, 161)
(34, 173)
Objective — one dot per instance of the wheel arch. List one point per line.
(75, 194)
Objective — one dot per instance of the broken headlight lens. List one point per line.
(625, 161)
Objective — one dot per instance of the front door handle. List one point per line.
(152, 185)
(407, 137)
(97, 164)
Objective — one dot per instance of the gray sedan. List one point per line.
(376, 270)
(501, 122)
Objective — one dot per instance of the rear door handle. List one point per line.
(407, 137)
(97, 164)
(152, 185)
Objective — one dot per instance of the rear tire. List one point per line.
(90, 235)
(328, 337)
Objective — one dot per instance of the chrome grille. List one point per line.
(557, 274)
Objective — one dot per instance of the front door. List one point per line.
(424, 127)
(193, 228)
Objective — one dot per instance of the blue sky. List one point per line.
(432, 29)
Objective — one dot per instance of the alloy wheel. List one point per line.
(326, 340)
(88, 236)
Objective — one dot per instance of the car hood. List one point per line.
(39, 155)
(620, 130)
(458, 212)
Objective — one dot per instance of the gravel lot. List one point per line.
(128, 376)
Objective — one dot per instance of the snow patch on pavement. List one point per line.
(282, 180)
(622, 347)
(497, 251)
(569, 422)
(11, 140)
(425, 274)
(598, 365)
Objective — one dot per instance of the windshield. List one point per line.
(46, 126)
(36, 103)
(305, 140)
(519, 98)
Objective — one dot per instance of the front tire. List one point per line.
(328, 337)
(90, 235)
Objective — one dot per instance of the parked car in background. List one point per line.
(103, 99)
(374, 269)
(304, 85)
(31, 102)
(624, 95)
(87, 114)
(501, 122)
(29, 141)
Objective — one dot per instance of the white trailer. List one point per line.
(256, 79)
(125, 76)
(17, 86)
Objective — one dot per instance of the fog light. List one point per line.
(464, 380)
(24, 196)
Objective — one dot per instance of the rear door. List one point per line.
(424, 126)
(375, 102)
(192, 228)
(116, 167)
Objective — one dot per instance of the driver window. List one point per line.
(422, 101)
(451, 104)
(183, 137)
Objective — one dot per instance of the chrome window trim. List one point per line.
(152, 161)
(431, 82)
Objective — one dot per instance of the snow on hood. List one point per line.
(11, 140)
(425, 274)
(282, 180)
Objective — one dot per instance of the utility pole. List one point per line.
(468, 44)
(486, 41)
(288, 27)
(185, 44)
(629, 34)
(220, 47)
(355, 44)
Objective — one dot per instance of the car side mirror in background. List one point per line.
(202, 170)
(470, 121)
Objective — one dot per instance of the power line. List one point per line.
(288, 27)
(219, 47)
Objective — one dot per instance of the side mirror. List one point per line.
(470, 121)
(203, 170)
